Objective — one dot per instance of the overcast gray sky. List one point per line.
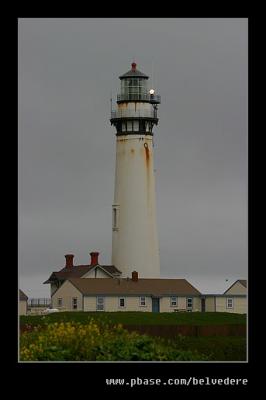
(67, 70)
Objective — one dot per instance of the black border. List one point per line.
(90, 377)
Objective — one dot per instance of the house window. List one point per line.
(189, 303)
(229, 303)
(142, 301)
(59, 302)
(74, 303)
(122, 302)
(173, 301)
(100, 303)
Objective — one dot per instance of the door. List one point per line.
(156, 304)
(203, 305)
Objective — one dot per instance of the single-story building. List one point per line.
(127, 294)
(23, 303)
(233, 300)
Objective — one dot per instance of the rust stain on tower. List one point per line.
(147, 164)
(147, 154)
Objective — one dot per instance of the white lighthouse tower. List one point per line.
(134, 237)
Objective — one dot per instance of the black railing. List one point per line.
(124, 113)
(39, 302)
(138, 97)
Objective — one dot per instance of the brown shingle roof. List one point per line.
(111, 269)
(78, 271)
(155, 287)
(22, 296)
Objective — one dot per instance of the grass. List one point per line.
(138, 318)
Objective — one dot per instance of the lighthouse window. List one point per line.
(136, 125)
(142, 87)
(142, 126)
(134, 87)
(115, 217)
(123, 86)
(129, 126)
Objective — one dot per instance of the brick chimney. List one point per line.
(94, 258)
(69, 260)
(135, 276)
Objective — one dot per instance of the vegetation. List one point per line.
(95, 341)
(215, 348)
(139, 318)
(82, 336)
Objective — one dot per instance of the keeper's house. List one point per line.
(126, 294)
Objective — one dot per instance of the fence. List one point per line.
(39, 302)
(171, 331)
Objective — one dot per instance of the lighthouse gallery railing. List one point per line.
(134, 114)
(139, 96)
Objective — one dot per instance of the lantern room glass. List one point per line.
(133, 86)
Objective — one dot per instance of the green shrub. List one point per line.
(95, 341)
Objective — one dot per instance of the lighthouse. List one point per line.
(134, 227)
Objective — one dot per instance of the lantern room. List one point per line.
(133, 84)
(136, 111)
